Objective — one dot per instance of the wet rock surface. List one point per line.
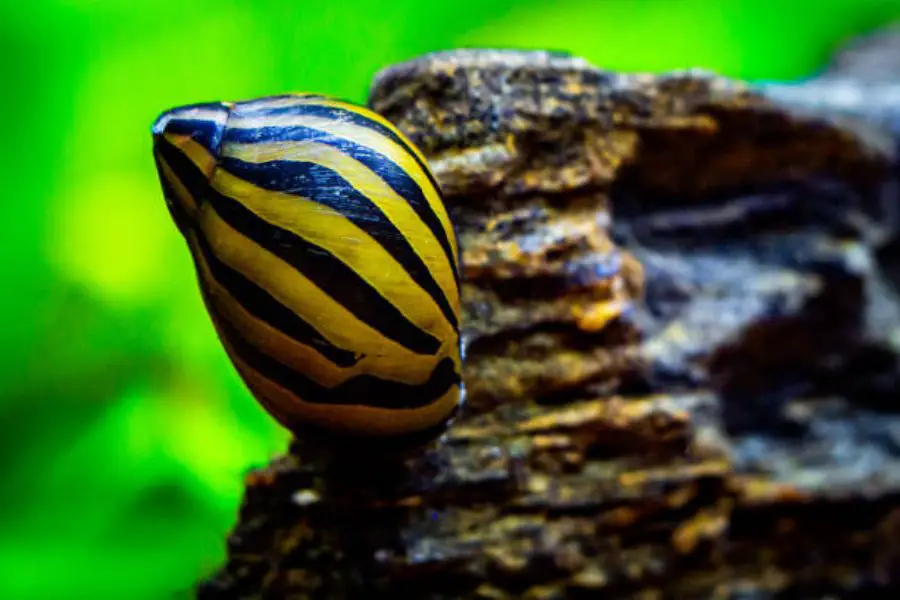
(682, 335)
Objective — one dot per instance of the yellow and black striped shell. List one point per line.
(325, 256)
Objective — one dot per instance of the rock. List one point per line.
(861, 82)
(860, 87)
(681, 355)
(875, 57)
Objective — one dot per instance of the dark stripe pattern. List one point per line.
(328, 273)
(319, 265)
(204, 123)
(396, 177)
(325, 186)
(179, 216)
(254, 299)
(346, 287)
(366, 390)
(334, 113)
(264, 307)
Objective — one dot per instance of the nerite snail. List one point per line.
(325, 257)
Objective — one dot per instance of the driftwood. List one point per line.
(682, 336)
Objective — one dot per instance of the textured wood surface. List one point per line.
(682, 332)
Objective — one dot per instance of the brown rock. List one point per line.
(679, 366)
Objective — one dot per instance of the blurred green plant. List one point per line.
(126, 431)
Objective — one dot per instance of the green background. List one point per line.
(126, 432)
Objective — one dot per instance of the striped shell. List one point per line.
(325, 257)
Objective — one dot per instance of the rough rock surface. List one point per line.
(682, 335)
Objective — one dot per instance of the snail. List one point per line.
(325, 257)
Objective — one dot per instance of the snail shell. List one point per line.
(325, 257)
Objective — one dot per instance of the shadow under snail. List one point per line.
(325, 257)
